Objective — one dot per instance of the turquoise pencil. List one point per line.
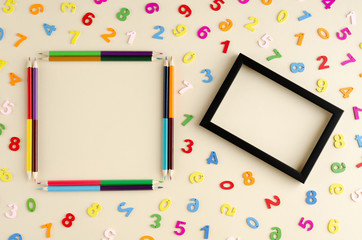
(165, 120)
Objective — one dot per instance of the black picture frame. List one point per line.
(207, 123)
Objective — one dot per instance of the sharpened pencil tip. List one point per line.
(40, 188)
(29, 59)
(160, 181)
(160, 187)
(166, 58)
(159, 58)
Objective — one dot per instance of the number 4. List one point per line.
(328, 3)
(213, 158)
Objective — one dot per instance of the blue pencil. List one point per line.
(165, 120)
(98, 188)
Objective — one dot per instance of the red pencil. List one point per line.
(29, 121)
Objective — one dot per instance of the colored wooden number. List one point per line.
(356, 196)
(189, 146)
(229, 183)
(14, 79)
(248, 178)
(333, 226)
(123, 14)
(13, 211)
(87, 18)
(35, 9)
(7, 107)
(11, 7)
(208, 74)
(217, 5)
(226, 25)
(182, 229)
(14, 144)
(213, 158)
(49, 29)
(107, 234)
(267, 39)
(2, 63)
(358, 138)
(311, 197)
(328, 3)
(100, 1)
(304, 224)
(355, 111)
(350, 60)
(107, 36)
(151, 8)
(22, 39)
(184, 9)
(323, 33)
(336, 188)
(5, 176)
(352, 16)
(127, 210)
(324, 61)
(277, 55)
(68, 220)
(94, 209)
(48, 226)
(345, 32)
(229, 210)
(168, 204)
(180, 30)
(323, 84)
(282, 16)
(188, 86)
(15, 236)
(277, 234)
(346, 91)
(147, 238)
(253, 225)
(193, 207)
(157, 221)
(189, 57)
(68, 5)
(305, 16)
(1, 127)
(158, 34)
(338, 167)
(226, 47)
(297, 67)
(76, 35)
(29, 202)
(266, 2)
(270, 202)
(132, 36)
(196, 177)
(300, 37)
(250, 26)
(203, 32)
(206, 230)
(1, 34)
(338, 141)
(187, 120)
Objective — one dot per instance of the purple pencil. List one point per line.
(35, 121)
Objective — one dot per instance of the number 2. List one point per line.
(250, 26)
(158, 34)
(107, 36)
(324, 61)
(270, 202)
(230, 211)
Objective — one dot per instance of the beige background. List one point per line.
(93, 111)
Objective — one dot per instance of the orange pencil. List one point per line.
(171, 113)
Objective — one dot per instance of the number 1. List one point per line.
(131, 38)
(227, 42)
(206, 229)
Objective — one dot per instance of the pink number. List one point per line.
(243, 1)
(151, 8)
(355, 111)
(304, 225)
(182, 229)
(202, 33)
(100, 1)
(351, 59)
(345, 31)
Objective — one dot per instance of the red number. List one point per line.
(270, 202)
(184, 9)
(231, 185)
(218, 5)
(189, 146)
(68, 220)
(87, 20)
(227, 42)
(324, 61)
(14, 144)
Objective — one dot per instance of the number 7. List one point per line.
(49, 227)
(22, 38)
(74, 39)
(277, 55)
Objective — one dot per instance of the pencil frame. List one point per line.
(207, 123)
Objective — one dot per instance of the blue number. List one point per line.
(194, 205)
(297, 67)
(208, 71)
(2, 33)
(128, 210)
(255, 225)
(206, 229)
(157, 35)
(305, 16)
(49, 29)
(311, 197)
(213, 158)
(15, 236)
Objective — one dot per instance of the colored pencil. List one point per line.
(98, 188)
(35, 120)
(171, 119)
(29, 127)
(99, 182)
(99, 58)
(98, 53)
(165, 120)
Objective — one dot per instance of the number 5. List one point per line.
(304, 225)
(267, 39)
(182, 229)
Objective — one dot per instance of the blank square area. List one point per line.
(100, 120)
(271, 118)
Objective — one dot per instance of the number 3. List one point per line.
(189, 146)
(13, 210)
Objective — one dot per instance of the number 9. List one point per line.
(323, 84)
(185, 9)
(151, 8)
